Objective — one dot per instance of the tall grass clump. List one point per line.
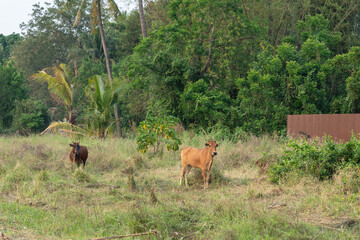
(15, 177)
(347, 179)
(81, 176)
(320, 159)
(170, 221)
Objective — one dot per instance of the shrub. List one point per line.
(155, 130)
(319, 159)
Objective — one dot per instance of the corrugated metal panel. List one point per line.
(339, 126)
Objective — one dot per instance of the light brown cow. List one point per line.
(198, 158)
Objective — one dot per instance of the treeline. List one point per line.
(229, 65)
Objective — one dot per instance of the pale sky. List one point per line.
(14, 12)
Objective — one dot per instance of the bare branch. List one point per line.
(207, 64)
(124, 236)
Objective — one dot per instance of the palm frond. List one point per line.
(118, 86)
(55, 127)
(98, 84)
(58, 73)
(62, 91)
(57, 84)
(67, 73)
(42, 77)
(80, 12)
(110, 125)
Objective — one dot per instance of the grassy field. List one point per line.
(121, 191)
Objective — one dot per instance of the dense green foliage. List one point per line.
(319, 159)
(190, 65)
(6, 44)
(13, 88)
(243, 68)
(30, 116)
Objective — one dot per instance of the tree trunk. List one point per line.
(142, 19)
(107, 60)
(71, 117)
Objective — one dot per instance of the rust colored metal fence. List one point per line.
(339, 126)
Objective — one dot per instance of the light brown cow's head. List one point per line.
(211, 146)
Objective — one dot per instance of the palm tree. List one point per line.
(142, 19)
(59, 80)
(96, 20)
(102, 98)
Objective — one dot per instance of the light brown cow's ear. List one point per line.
(217, 144)
(206, 144)
(71, 145)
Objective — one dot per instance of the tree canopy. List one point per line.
(239, 66)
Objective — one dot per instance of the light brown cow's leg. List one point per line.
(207, 179)
(204, 177)
(206, 185)
(187, 170)
(182, 172)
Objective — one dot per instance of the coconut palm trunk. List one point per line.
(107, 60)
(142, 19)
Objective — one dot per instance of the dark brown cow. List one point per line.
(78, 154)
(198, 158)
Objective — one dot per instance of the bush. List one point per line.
(155, 130)
(319, 159)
